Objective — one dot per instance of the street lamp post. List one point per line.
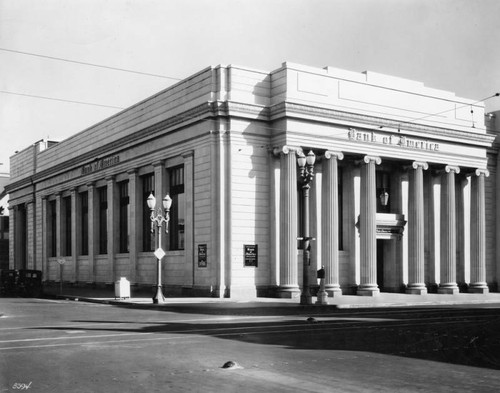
(306, 166)
(159, 218)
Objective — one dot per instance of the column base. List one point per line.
(289, 293)
(368, 290)
(416, 290)
(479, 288)
(333, 290)
(448, 289)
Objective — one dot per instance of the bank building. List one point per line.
(386, 184)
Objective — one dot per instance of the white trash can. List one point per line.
(122, 288)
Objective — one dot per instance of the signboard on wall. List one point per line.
(202, 255)
(251, 255)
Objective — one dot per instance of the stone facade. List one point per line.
(224, 143)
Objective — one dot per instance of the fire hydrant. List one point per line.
(322, 295)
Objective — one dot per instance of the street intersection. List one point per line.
(58, 345)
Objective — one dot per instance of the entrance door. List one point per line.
(380, 265)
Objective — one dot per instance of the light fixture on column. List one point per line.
(159, 218)
(384, 197)
(306, 166)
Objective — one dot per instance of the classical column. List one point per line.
(416, 280)
(288, 286)
(478, 233)
(448, 258)
(330, 222)
(368, 228)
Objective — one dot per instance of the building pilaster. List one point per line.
(59, 225)
(74, 234)
(416, 261)
(44, 256)
(112, 226)
(133, 223)
(368, 228)
(93, 224)
(189, 249)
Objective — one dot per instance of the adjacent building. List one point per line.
(403, 196)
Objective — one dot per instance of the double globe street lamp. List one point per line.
(306, 166)
(159, 217)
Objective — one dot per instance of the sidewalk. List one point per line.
(384, 300)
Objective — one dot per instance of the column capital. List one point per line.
(479, 172)
(187, 154)
(286, 149)
(158, 163)
(452, 168)
(110, 178)
(334, 154)
(132, 171)
(367, 159)
(420, 164)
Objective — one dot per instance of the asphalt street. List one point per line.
(50, 345)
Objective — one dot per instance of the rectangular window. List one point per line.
(123, 217)
(52, 230)
(103, 220)
(84, 223)
(148, 238)
(178, 210)
(67, 226)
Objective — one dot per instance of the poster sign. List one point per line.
(202, 255)
(251, 255)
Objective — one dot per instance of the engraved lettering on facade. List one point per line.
(99, 164)
(394, 140)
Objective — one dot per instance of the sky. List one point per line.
(451, 45)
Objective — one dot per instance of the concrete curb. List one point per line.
(271, 303)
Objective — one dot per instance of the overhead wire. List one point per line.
(411, 121)
(89, 64)
(60, 99)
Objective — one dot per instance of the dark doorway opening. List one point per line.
(380, 264)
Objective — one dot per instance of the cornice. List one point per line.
(284, 109)
(214, 109)
(261, 112)
(192, 115)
